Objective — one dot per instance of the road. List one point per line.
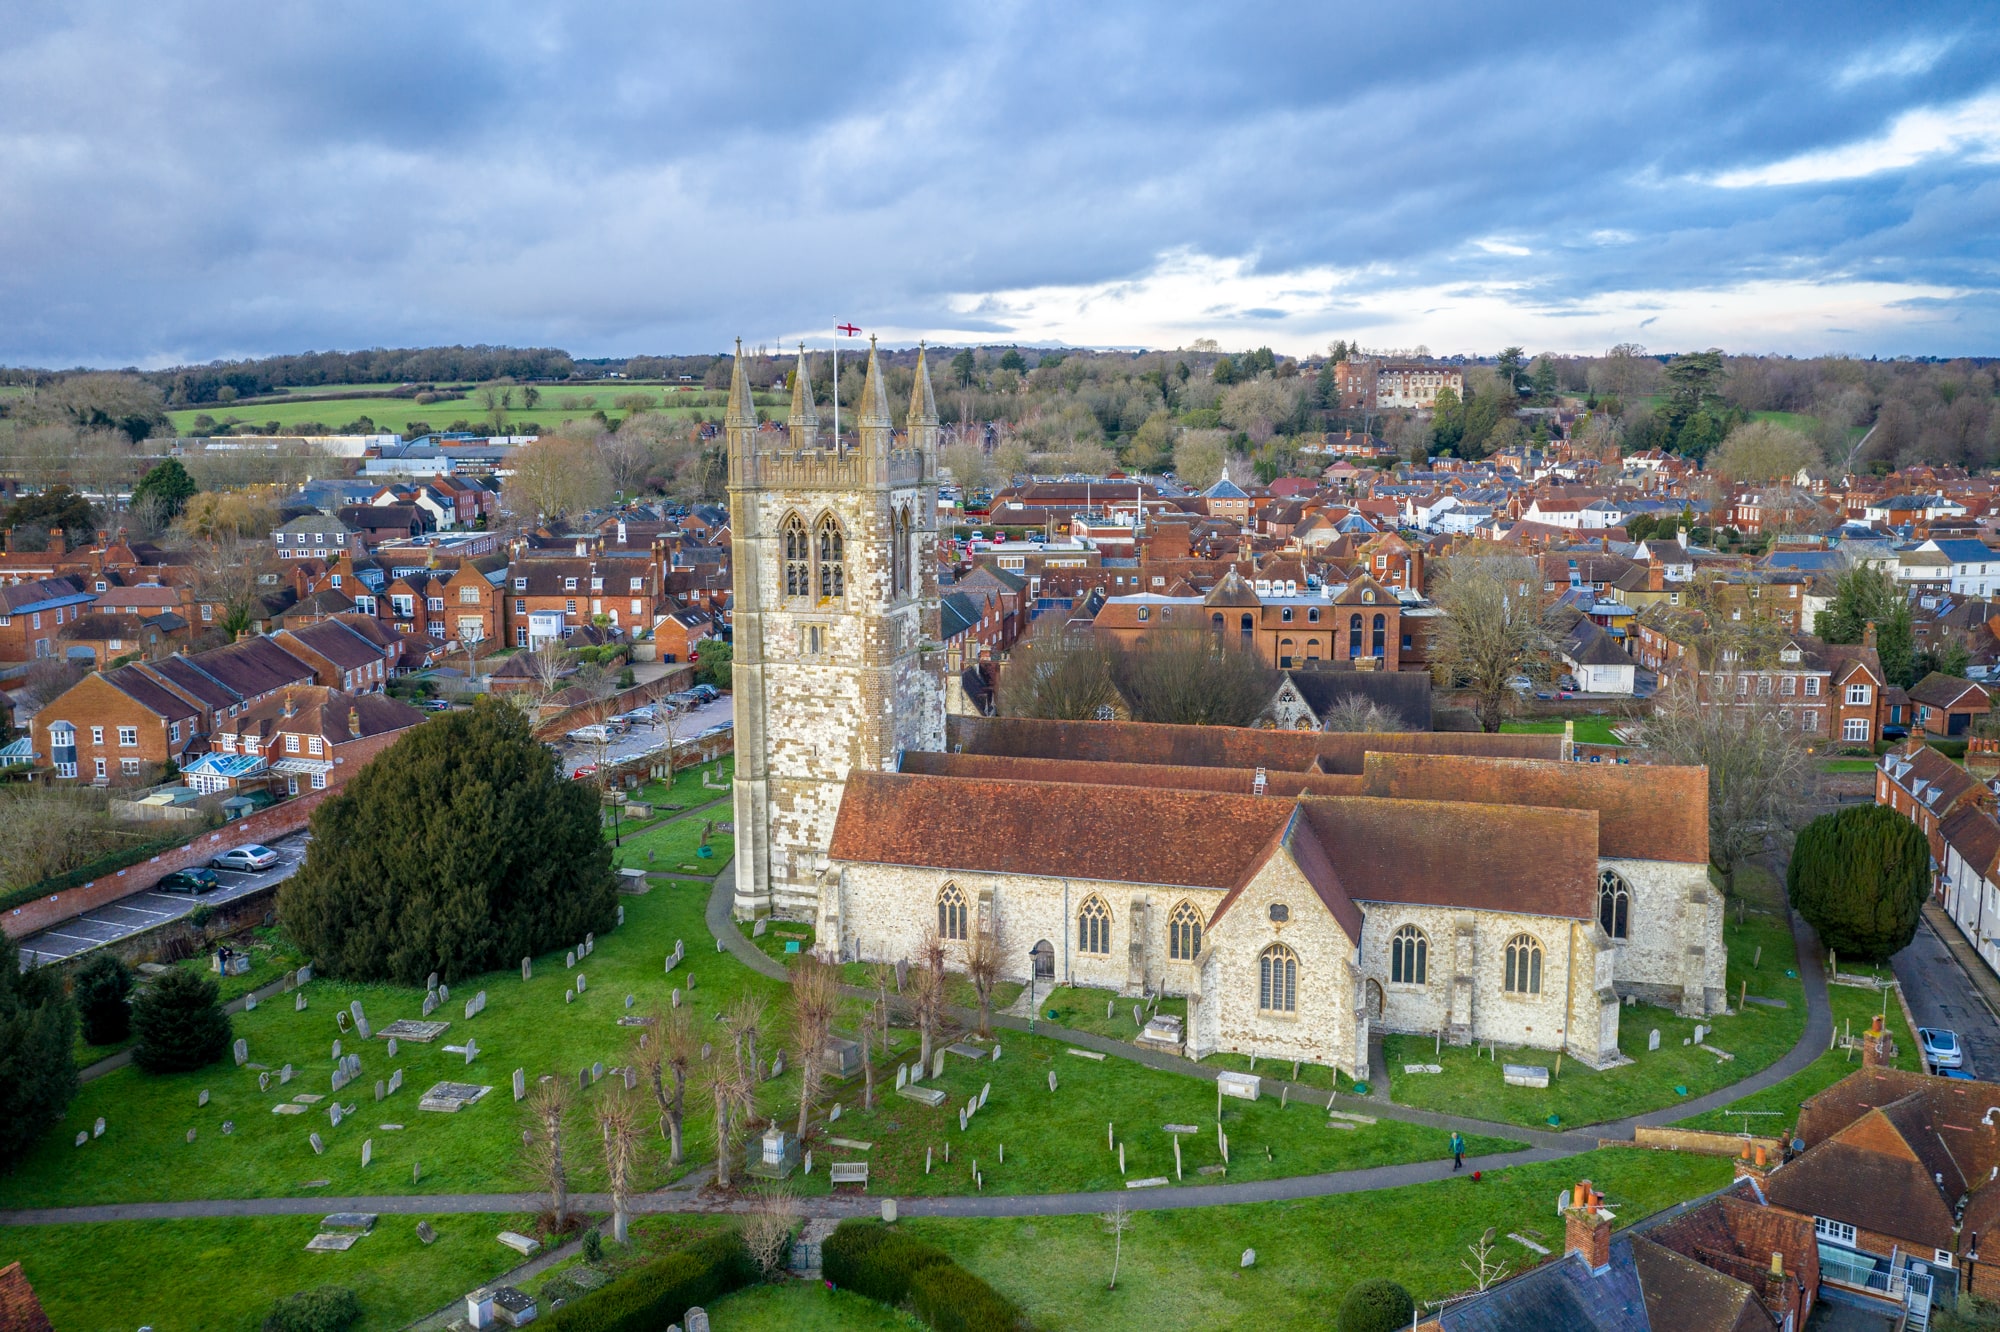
(145, 910)
(644, 739)
(1941, 994)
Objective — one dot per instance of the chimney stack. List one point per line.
(1868, 634)
(1587, 1229)
(1753, 1166)
(1874, 1043)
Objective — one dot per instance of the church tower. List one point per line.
(836, 621)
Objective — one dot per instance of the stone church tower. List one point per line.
(837, 661)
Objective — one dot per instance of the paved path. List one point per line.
(1545, 1146)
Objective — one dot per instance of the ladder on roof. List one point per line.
(1257, 787)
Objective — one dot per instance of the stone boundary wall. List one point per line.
(1701, 1142)
(679, 676)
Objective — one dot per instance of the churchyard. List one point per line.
(1755, 1034)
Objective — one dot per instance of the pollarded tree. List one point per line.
(102, 988)
(1859, 876)
(180, 1023)
(458, 850)
(37, 1064)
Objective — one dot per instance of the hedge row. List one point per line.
(870, 1259)
(663, 1290)
(123, 858)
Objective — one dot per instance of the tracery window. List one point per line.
(1184, 933)
(899, 554)
(1614, 904)
(832, 557)
(1093, 927)
(1278, 980)
(951, 913)
(1409, 956)
(798, 558)
(1524, 965)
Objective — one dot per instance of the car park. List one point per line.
(248, 858)
(189, 881)
(1941, 1048)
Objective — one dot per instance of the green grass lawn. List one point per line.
(1847, 765)
(675, 846)
(672, 802)
(271, 956)
(1056, 1141)
(1181, 1268)
(1083, 1009)
(556, 406)
(1758, 1036)
(144, 1155)
(226, 1273)
(1589, 730)
(806, 1306)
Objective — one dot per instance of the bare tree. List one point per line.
(747, 1015)
(930, 989)
(559, 475)
(880, 976)
(730, 1093)
(768, 1231)
(1057, 673)
(618, 1120)
(1193, 677)
(867, 1029)
(1485, 1268)
(982, 968)
(1760, 776)
(1494, 628)
(815, 999)
(49, 679)
(1118, 1220)
(552, 664)
(549, 1106)
(1355, 713)
(234, 572)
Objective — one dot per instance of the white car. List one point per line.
(251, 857)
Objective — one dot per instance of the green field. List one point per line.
(1594, 730)
(556, 406)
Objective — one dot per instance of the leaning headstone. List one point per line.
(201, 1099)
(630, 1000)
(395, 1082)
(97, 1129)
(355, 1009)
(1249, 1258)
(392, 1047)
(1653, 1039)
(242, 1049)
(263, 1082)
(333, 1113)
(340, 1020)
(367, 1151)
(1052, 1079)
(299, 1002)
(284, 1075)
(996, 1052)
(520, 1083)
(833, 1118)
(527, 968)
(317, 1146)
(425, 1232)
(82, 1138)
(1137, 1019)
(381, 1089)
(336, 1049)
(364, 1029)
(778, 1065)
(757, 930)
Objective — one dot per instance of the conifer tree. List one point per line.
(103, 987)
(179, 1022)
(1859, 876)
(37, 1064)
(457, 850)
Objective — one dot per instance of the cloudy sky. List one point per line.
(183, 181)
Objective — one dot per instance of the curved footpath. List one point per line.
(685, 1197)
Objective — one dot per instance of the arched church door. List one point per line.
(1044, 954)
(1373, 998)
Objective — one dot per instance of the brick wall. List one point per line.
(677, 678)
(1699, 1142)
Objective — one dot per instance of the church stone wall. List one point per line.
(1674, 956)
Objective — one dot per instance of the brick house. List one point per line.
(1947, 705)
(317, 535)
(680, 634)
(305, 735)
(32, 612)
(1927, 788)
(95, 641)
(555, 596)
(340, 657)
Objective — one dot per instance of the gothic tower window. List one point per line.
(798, 557)
(899, 552)
(1093, 927)
(1409, 956)
(1184, 933)
(951, 913)
(1278, 980)
(832, 557)
(1524, 965)
(1614, 904)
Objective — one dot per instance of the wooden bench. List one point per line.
(851, 1172)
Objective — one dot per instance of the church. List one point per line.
(1300, 890)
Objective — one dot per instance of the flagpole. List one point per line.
(836, 391)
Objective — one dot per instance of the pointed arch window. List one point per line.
(1184, 933)
(951, 913)
(1409, 956)
(1524, 965)
(1093, 927)
(1278, 980)
(899, 553)
(798, 557)
(1614, 904)
(832, 543)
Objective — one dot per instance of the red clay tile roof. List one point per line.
(1737, 1236)
(1296, 838)
(20, 1311)
(1972, 832)
(1957, 1108)
(1645, 812)
(1237, 781)
(1877, 1174)
(1222, 746)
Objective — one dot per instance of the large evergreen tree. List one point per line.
(37, 1063)
(180, 1023)
(167, 482)
(458, 850)
(1859, 876)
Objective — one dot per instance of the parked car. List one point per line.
(707, 693)
(595, 734)
(1941, 1047)
(436, 705)
(247, 858)
(587, 770)
(188, 881)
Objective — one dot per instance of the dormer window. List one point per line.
(1790, 654)
(569, 584)
(520, 585)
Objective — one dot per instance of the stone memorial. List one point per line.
(1249, 1258)
(340, 1020)
(697, 1319)
(314, 1138)
(361, 1027)
(250, 1002)
(97, 1129)
(392, 1047)
(242, 1051)
(381, 1089)
(202, 1098)
(1653, 1039)
(336, 1049)
(520, 1083)
(569, 959)
(621, 913)
(1243, 1086)
(426, 1233)
(367, 1152)
(597, 1071)
(305, 974)
(284, 1075)
(333, 1113)
(630, 1000)
(902, 1076)
(527, 968)
(299, 1002)
(228, 1127)
(1052, 1079)
(421, 1032)
(451, 1097)
(263, 1082)
(1525, 1075)
(444, 993)
(580, 986)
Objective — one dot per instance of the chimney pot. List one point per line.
(1777, 1262)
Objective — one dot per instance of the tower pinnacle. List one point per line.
(741, 412)
(923, 403)
(804, 422)
(874, 397)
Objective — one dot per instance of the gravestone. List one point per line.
(444, 993)
(202, 1099)
(1653, 1039)
(1249, 1258)
(299, 1002)
(363, 1028)
(228, 1127)
(520, 1083)
(284, 1075)
(697, 1317)
(937, 1065)
(430, 1004)
(242, 1049)
(580, 985)
(996, 1052)
(471, 1009)
(367, 1152)
(833, 1118)
(630, 1000)
(336, 1049)
(471, 1050)
(432, 983)
(1244, 1086)
(305, 974)
(690, 982)
(395, 1082)
(631, 1078)
(333, 1113)
(392, 1047)
(527, 968)
(677, 997)
(902, 1076)
(340, 1020)
(621, 913)
(569, 960)
(1525, 1075)
(757, 930)
(597, 1071)
(250, 1002)
(1700, 1033)
(318, 1146)
(263, 1082)
(583, 1079)
(569, 996)
(381, 1089)
(426, 1233)
(1052, 1079)
(97, 1129)
(1137, 1020)
(355, 1009)
(778, 1065)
